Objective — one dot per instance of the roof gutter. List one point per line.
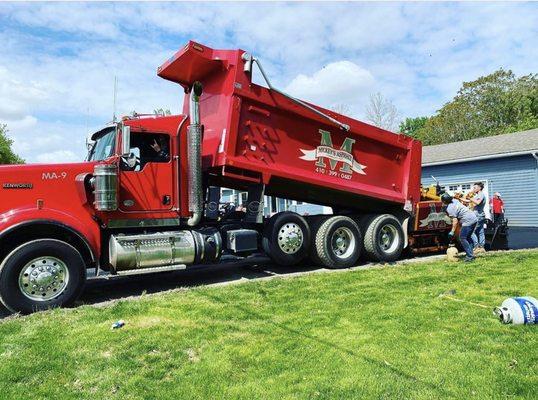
(480, 158)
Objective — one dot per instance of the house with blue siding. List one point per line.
(507, 164)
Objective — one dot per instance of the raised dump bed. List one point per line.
(253, 134)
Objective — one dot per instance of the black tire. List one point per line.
(315, 224)
(283, 255)
(65, 287)
(342, 254)
(374, 227)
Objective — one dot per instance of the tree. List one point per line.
(490, 105)
(382, 113)
(342, 109)
(7, 156)
(411, 126)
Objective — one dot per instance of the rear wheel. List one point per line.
(41, 274)
(383, 238)
(338, 243)
(286, 238)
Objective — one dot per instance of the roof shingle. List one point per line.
(488, 146)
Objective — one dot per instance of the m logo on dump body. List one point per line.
(342, 155)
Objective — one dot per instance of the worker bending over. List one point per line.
(461, 214)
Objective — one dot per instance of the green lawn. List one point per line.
(383, 333)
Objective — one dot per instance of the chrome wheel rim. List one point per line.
(343, 242)
(389, 240)
(43, 278)
(290, 238)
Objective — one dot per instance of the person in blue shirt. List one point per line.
(461, 214)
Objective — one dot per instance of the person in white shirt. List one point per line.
(479, 203)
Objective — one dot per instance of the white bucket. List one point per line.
(518, 311)
(452, 253)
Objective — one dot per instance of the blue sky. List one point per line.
(58, 60)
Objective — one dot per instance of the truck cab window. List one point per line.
(147, 147)
(103, 146)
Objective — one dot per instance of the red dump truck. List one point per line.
(147, 198)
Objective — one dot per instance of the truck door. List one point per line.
(146, 178)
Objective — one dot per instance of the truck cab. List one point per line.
(151, 160)
(55, 221)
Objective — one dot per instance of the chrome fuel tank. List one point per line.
(152, 250)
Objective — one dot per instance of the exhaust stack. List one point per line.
(194, 150)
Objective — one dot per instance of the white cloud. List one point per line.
(341, 82)
(46, 99)
(74, 17)
(18, 95)
(59, 59)
(34, 140)
(373, 26)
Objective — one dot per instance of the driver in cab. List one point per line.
(161, 149)
(146, 148)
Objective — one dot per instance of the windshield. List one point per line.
(103, 146)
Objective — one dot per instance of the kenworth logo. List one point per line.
(17, 186)
(327, 151)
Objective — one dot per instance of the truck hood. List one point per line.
(54, 185)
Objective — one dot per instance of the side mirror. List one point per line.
(247, 58)
(125, 140)
(89, 142)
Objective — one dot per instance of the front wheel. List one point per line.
(41, 274)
